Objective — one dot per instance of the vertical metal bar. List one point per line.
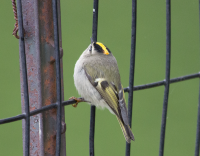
(93, 108)
(132, 68)
(36, 124)
(58, 77)
(95, 20)
(198, 116)
(24, 77)
(198, 128)
(167, 76)
(92, 129)
(41, 72)
(63, 125)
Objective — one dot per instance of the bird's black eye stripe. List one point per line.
(108, 50)
(98, 48)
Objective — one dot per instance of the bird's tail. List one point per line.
(126, 131)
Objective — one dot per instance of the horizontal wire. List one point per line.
(54, 105)
(36, 111)
(45, 108)
(69, 102)
(160, 83)
(12, 119)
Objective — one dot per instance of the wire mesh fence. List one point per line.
(130, 89)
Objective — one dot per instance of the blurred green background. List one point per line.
(114, 30)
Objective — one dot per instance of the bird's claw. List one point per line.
(77, 101)
(75, 105)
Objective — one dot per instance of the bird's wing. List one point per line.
(106, 90)
(114, 96)
(112, 93)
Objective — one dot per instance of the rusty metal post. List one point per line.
(41, 71)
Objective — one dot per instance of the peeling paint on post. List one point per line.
(39, 46)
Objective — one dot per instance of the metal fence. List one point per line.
(59, 103)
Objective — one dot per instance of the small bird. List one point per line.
(97, 80)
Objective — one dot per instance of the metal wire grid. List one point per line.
(129, 89)
(93, 108)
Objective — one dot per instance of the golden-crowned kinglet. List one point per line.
(97, 79)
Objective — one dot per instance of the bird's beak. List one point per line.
(90, 48)
(91, 40)
(91, 44)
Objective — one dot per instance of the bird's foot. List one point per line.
(77, 101)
